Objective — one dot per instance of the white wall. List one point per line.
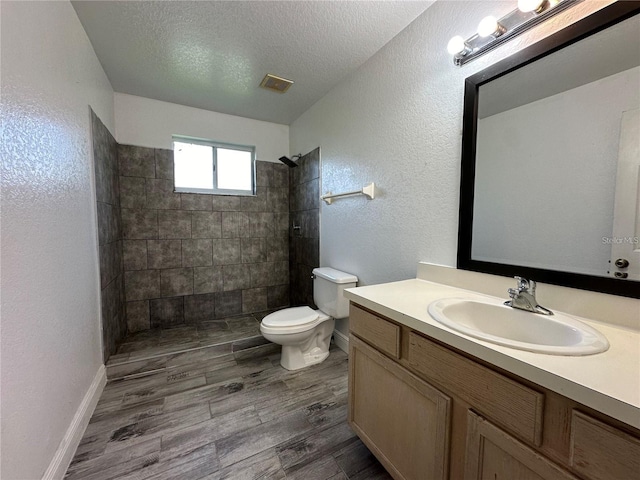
(566, 200)
(151, 123)
(397, 121)
(50, 347)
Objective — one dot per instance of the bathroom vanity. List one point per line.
(431, 403)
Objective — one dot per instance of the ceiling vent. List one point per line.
(275, 84)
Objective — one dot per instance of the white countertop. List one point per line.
(608, 382)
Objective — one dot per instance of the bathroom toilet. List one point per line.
(305, 333)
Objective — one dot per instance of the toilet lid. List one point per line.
(290, 317)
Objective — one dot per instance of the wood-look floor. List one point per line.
(238, 416)
(157, 350)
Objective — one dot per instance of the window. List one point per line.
(202, 166)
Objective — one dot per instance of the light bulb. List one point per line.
(457, 46)
(489, 26)
(530, 5)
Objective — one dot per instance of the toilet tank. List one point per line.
(328, 288)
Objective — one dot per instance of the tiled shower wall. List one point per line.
(105, 157)
(304, 211)
(192, 257)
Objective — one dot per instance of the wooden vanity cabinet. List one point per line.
(493, 454)
(429, 412)
(401, 418)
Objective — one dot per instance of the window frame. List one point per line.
(215, 146)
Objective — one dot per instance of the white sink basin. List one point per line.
(490, 320)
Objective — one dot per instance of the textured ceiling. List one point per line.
(213, 54)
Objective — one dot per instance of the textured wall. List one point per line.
(192, 257)
(397, 121)
(50, 282)
(151, 123)
(304, 210)
(105, 159)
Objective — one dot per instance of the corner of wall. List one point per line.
(71, 440)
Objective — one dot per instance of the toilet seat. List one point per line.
(292, 320)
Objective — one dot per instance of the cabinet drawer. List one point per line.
(507, 402)
(380, 333)
(602, 452)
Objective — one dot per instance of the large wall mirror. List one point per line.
(550, 185)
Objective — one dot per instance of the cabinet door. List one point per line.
(404, 421)
(492, 454)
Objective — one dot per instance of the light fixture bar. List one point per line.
(512, 24)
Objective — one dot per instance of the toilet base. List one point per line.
(292, 357)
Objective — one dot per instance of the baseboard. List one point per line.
(71, 440)
(341, 341)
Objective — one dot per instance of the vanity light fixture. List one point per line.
(493, 32)
(490, 27)
(457, 46)
(531, 5)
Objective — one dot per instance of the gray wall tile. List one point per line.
(185, 245)
(135, 254)
(133, 192)
(139, 224)
(166, 312)
(254, 250)
(281, 224)
(198, 308)
(207, 279)
(254, 300)
(109, 226)
(165, 253)
(280, 175)
(206, 225)
(138, 316)
(174, 224)
(110, 256)
(261, 224)
(304, 211)
(277, 249)
(136, 161)
(164, 163)
(226, 203)
(176, 281)
(228, 303)
(278, 296)
(311, 195)
(196, 201)
(235, 225)
(160, 194)
(114, 326)
(197, 252)
(269, 274)
(227, 251)
(278, 199)
(264, 173)
(257, 203)
(106, 172)
(236, 277)
(308, 167)
(142, 284)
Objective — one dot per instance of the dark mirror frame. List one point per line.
(590, 25)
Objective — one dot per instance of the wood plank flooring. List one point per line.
(158, 350)
(236, 416)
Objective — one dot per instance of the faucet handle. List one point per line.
(525, 285)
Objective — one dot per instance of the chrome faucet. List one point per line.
(524, 297)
